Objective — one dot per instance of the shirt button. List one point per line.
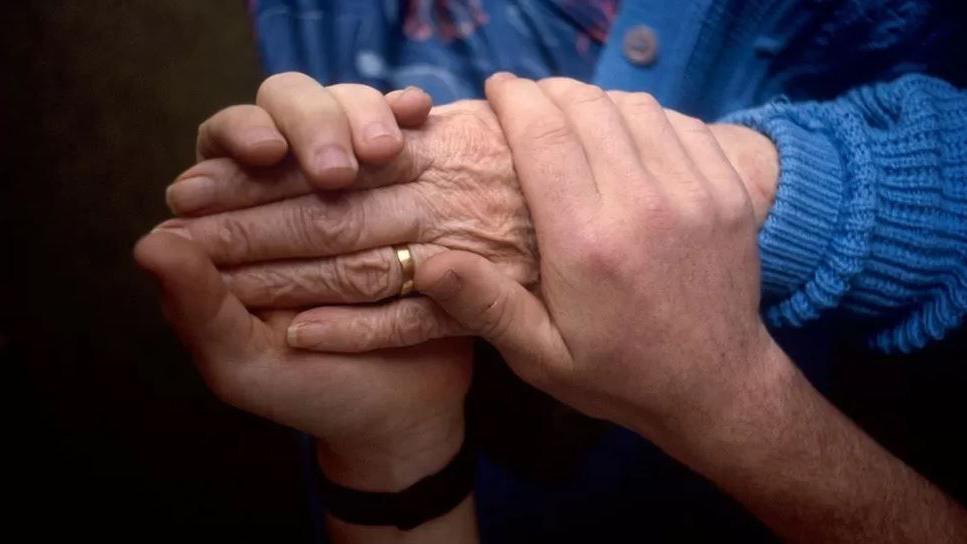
(640, 45)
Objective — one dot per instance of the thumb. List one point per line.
(491, 305)
(208, 319)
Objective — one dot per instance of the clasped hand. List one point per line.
(641, 306)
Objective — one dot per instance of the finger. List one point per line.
(554, 174)
(315, 125)
(411, 106)
(375, 134)
(354, 329)
(708, 157)
(317, 225)
(245, 133)
(597, 123)
(659, 148)
(489, 304)
(210, 321)
(219, 185)
(365, 276)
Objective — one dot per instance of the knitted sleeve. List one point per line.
(870, 217)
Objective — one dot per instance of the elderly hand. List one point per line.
(647, 313)
(383, 419)
(451, 187)
(456, 190)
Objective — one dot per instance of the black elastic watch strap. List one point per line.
(427, 499)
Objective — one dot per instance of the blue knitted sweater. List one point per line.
(862, 98)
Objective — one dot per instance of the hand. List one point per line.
(649, 296)
(328, 127)
(383, 419)
(464, 196)
(455, 190)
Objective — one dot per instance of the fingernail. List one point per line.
(411, 89)
(302, 335)
(502, 76)
(177, 231)
(333, 157)
(190, 195)
(377, 130)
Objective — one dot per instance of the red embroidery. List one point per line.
(449, 19)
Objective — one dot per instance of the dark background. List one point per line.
(110, 432)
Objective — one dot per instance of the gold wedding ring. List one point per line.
(407, 266)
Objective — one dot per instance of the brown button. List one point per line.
(641, 45)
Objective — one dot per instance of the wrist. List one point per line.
(739, 429)
(756, 160)
(394, 463)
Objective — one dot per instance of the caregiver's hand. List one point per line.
(648, 317)
(328, 129)
(383, 419)
(647, 313)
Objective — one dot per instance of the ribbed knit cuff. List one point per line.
(870, 216)
(799, 231)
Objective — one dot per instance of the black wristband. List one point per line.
(427, 499)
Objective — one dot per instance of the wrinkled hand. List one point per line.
(383, 419)
(452, 187)
(456, 189)
(649, 297)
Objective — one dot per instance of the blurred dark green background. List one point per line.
(111, 433)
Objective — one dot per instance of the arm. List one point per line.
(379, 469)
(812, 475)
(666, 338)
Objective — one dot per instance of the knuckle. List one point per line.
(495, 317)
(232, 238)
(337, 226)
(300, 221)
(329, 223)
(618, 96)
(278, 83)
(690, 126)
(410, 325)
(363, 334)
(639, 105)
(581, 94)
(556, 84)
(736, 208)
(604, 255)
(261, 288)
(549, 132)
(640, 102)
(365, 277)
(353, 90)
(696, 216)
